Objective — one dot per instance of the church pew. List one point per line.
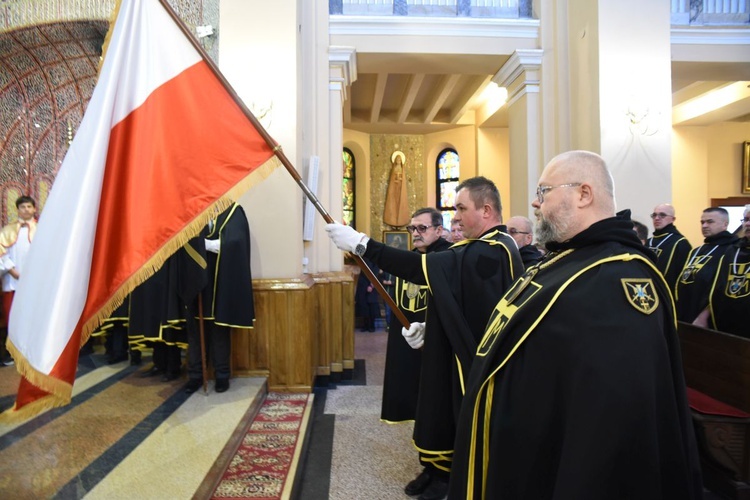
(717, 373)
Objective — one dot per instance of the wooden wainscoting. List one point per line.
(304, 327)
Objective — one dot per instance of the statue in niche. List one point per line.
(396, 211)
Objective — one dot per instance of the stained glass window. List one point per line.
(447, 180)
(347, 188)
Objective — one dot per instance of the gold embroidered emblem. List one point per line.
(738, 282)
(641, 294)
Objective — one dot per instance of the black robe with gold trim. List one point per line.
(402, 363)
(730, 292)
(577, 390)
(694, 284)
(671, 249)
(228, 297)
(465, 283)
(158, 305)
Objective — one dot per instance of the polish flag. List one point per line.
(163, 144)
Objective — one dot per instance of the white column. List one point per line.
(343, 72)
(520, 75)
(620, 90)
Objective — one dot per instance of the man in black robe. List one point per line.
(669, 245)
(730, 290)
(227, 299)
(159, 309)
(577, 390)
(694, 284)
(402, 363)
(465, 283)
(522, 230)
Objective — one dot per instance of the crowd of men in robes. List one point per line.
(203, 289)
(560, 378)
(711, 282)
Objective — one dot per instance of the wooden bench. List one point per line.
(717, 373)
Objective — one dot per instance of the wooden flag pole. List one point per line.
(284, 161)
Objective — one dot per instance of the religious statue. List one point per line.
(396, 211)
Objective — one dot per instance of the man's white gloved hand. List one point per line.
(213, 246)
(344, 237)
(414, 335)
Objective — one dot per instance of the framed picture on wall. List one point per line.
(746, 167)
(397, 239)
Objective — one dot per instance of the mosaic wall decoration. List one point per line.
(48, 69)
(381, 149)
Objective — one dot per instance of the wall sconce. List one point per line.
(641, 119)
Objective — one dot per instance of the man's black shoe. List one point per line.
(135, 358)
(152, 372)
(193, 385)
(437, 490)
(222, 384)
(419, 484)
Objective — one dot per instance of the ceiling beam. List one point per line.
(442, 91)
(415, 83)
(472, 91)
(377, 98)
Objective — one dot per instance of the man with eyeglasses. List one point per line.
(577, 390)
(522, 230)
(402, 363)
(465, 283)
(669, 245)
(694, 284)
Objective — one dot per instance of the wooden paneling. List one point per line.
(303, 328)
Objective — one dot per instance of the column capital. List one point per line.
(342, 62)
(521, 60)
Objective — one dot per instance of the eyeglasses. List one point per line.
(660, 215)
(516, 231)
(419, 229)
(542, 190)
(745, 219)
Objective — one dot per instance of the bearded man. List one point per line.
(576, 389)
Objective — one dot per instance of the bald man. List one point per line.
(669, 245)
(522, 231)
(577, 386)
(694, 284)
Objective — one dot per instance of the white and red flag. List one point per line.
(162, 145)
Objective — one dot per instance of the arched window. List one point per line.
(447, 169)
(347, 188)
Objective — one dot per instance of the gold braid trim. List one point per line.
(60, 391)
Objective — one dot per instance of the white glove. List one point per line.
(414, 335)
(213, 246)
(344, 237)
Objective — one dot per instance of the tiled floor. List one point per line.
(123, 436)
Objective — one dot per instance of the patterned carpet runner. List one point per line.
(266, 461)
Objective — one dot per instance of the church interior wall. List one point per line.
(264, 78)
(707, 163)
(493, 162)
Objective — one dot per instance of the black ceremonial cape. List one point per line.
(577, 390)
(694, 283)
(730, 293)
(465, 283)
(402, 363)
(157, 306)
(228, 298)
(671, 249)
